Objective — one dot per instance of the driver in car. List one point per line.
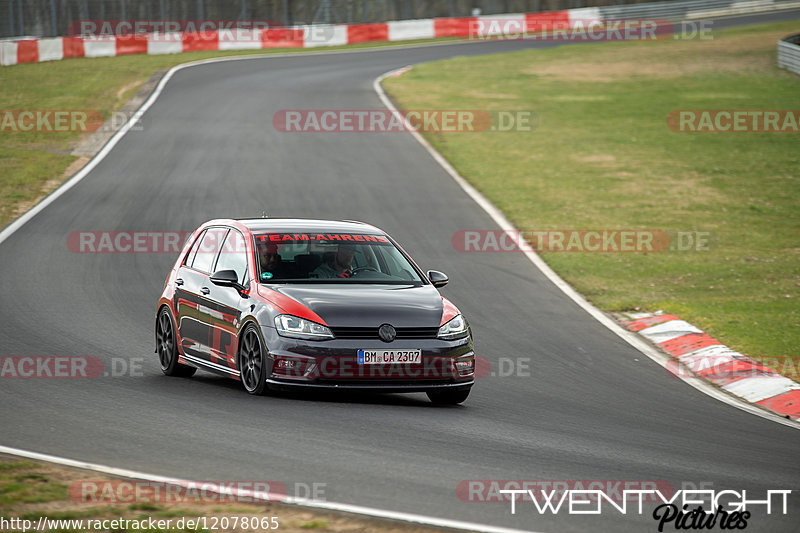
(339, 266)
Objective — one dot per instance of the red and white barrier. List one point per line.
(705, 356)
(406, 30)
(311, 36)
(26, 50)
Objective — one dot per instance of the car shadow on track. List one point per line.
(342, 397)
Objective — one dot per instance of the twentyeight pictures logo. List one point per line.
(681, 509)
(497, 490)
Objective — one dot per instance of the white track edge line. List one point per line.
(493, 212)
(83, 172)
(628, 336)
(12, 227)
(256, 495)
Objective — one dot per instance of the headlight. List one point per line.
(455, 329)
(300, 328)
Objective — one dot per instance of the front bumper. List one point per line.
(286, 385)
(333, 364)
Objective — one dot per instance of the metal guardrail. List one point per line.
(789, 53)
(50, 18)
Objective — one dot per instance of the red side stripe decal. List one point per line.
(449, 311)
(288, 305)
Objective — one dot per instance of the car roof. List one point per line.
(294, 225)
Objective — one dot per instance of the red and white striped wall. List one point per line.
(37, 50)
(707, 357)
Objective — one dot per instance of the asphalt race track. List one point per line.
(592, 408)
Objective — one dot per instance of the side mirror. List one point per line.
(438, 279)
(226, 278)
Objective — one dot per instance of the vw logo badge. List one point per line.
(387, 333)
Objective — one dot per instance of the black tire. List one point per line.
(448, 397)
(167, 348)
(252, 363)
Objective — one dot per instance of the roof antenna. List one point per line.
(264, 214)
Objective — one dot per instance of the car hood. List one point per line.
(370, 305)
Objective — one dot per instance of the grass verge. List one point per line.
(602, 157)
(30, 490)
(33, 164)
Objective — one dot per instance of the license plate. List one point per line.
(382, 357)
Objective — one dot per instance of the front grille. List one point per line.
(372, 333)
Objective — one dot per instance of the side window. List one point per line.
(193, 251)
(233, 256)
(207, 252)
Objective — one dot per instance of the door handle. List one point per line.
(178, 281)
(204, 290)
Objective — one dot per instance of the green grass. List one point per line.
(33, 163)
(17, 465)
(17, 485)
(27, 493)
(602, 157)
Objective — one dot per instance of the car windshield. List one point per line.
(331, 258)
